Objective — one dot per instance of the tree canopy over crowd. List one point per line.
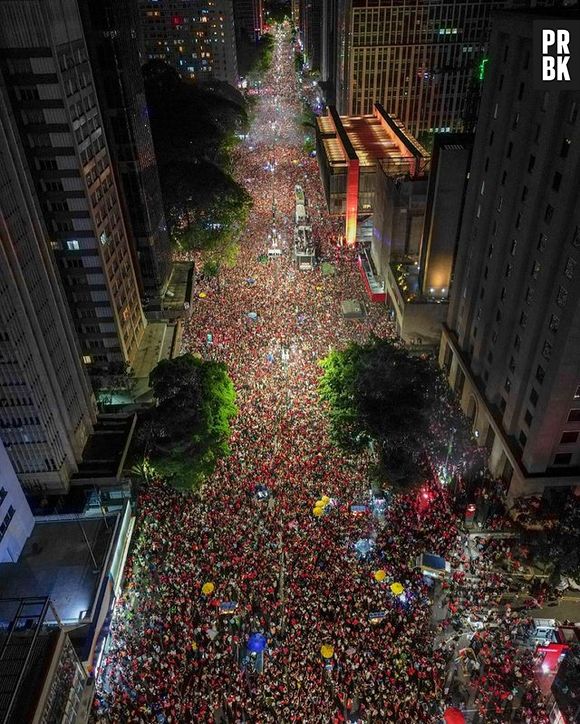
(195, 127)
(381, 396)
(188, 430)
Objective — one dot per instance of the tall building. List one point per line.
(512, 344)
(249, 18)
(42, 678)
(46, 404)
(332, 29)
(16, 519)
(51, 90)
(309, 21)
(420, 60)
(415, 232)
(196, 38)
(111, 31)
(249, 27)
(445, 202)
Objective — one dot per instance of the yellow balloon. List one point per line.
(317, 512)
(202, 295)
(207, 588)
(397, 588)
(380, 575)
(325, 499)
(319, 504)
(327, 651)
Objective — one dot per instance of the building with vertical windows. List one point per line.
(249, 27)
(249, 18)
(511, 345)
(46, 403)
(42, 678)
(309, 16)
(52, 95)
(422, 61)
(196, 38)
(111, 31)
(16, 519)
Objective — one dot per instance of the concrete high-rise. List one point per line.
(111, 31)
(511, 345)
(46, 403)
(332, 30)
(249, 18)
(16, 519)
(50, 86)
(309, 14)
(196, 38)
(420, 60)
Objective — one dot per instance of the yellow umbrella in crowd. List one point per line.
(327, 651)
(207, 588)
(380, 575)
(397, 589)
(320, 505)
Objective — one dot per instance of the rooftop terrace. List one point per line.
(370, 139)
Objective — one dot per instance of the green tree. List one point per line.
(196, 127)
(278, 12)
(188, 430)
(380, 394)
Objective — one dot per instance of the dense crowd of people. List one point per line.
(246, 555)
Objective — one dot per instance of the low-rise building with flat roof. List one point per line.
(349, 150)
(76, 559)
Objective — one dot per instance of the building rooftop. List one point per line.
(58, 561)
(370, 139)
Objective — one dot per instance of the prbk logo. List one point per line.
(557, 54)
(555, 67)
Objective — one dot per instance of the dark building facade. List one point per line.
(310, 24)
(111, 30)
(511, 345)
(52, 93)
(249, 18)
(415, 232)
(47, 409)
(445, 202)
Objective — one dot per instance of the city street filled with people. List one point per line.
(241, 603)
